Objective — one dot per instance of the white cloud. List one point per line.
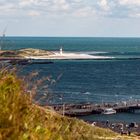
(8, 8)
(60, 5)
(77, 1)
(132, 7)
(118, 8)
(80, 8)
(104, 4)
(33, 13)
(130, 2)
(23, 3)
(84, 12)
(135, 15)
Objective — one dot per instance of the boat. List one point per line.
(108, 111)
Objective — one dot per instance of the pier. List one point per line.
(90, 108)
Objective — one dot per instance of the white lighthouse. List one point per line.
(61, 51)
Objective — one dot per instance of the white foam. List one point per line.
(87, 93)
(93, 52)
(68, 55)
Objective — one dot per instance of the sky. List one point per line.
(70, 18)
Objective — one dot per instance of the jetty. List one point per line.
(90, 108)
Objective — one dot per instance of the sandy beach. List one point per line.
(68, 56)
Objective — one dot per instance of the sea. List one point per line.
(82, 81)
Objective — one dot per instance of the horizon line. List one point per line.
(73, 36)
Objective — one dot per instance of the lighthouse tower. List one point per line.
(61, 51)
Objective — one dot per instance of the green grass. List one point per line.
(20, 119)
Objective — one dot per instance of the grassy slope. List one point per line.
(20, 119)
(24, 52)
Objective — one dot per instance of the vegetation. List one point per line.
(20, 119)
(22, 53)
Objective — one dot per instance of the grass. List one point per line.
(20, 119)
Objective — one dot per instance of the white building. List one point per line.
(61, 51)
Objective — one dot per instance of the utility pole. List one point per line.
(63, 109)
(2, 38)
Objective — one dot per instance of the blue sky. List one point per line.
(93, 18)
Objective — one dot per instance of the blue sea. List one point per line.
(80, 81)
